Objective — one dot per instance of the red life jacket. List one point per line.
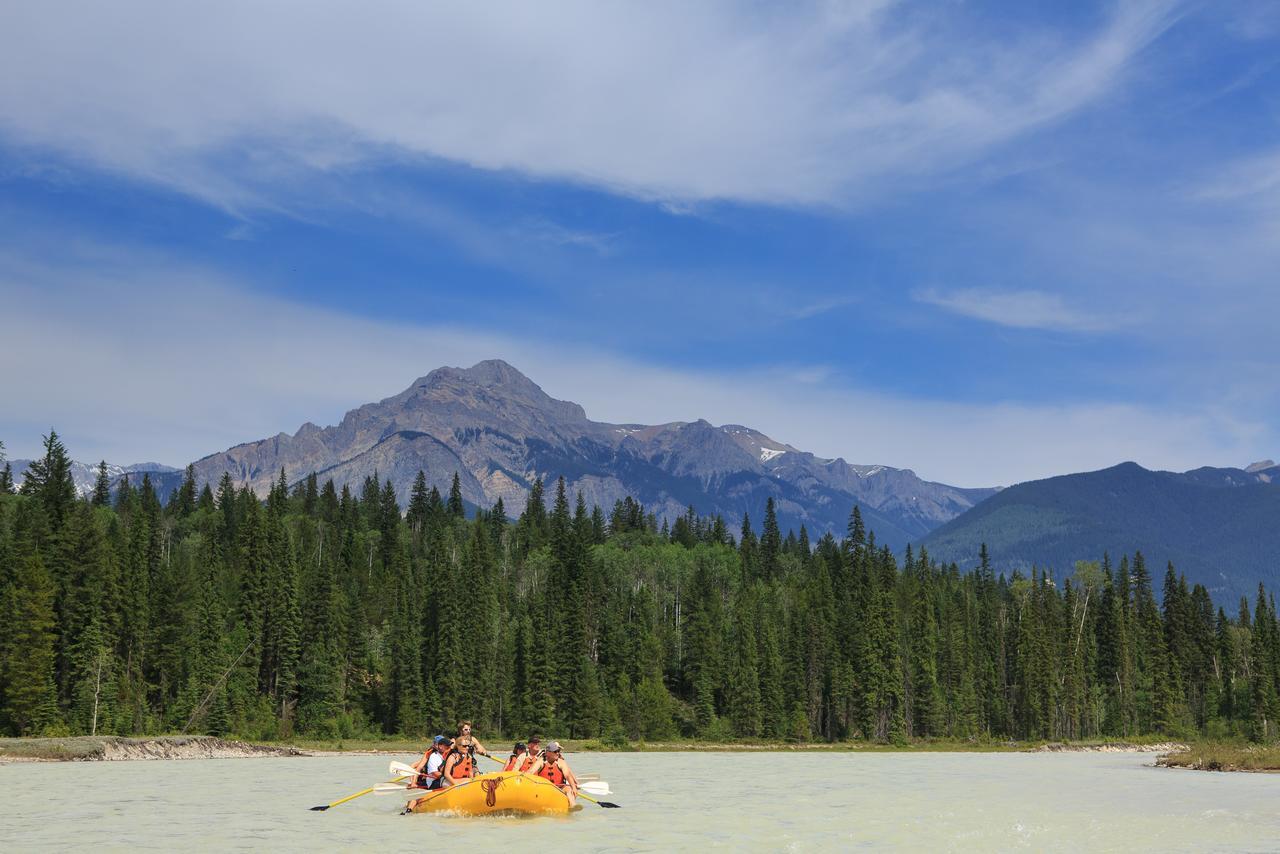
(511, 763)
(463, 768)
(528, 762)
(552, 772)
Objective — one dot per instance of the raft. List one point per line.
(496, 793)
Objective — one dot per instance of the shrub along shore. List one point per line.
(1218, 756)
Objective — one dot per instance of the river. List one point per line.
(731, 801)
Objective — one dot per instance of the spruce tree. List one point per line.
(455, 506)
(49, 480)
(770, 543)
(102, 487)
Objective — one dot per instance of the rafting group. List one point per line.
(533, 778)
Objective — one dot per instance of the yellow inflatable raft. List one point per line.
(498, 793)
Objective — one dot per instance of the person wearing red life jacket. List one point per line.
(532, 753)
(464, 740)
(518, 754)
(458, 766)
(553, 768)
(430, 766)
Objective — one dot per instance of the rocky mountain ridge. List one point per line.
(500, 432)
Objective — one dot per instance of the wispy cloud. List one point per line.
(680, 103)
(806, 310)
(1250, 179)
(1018, 309)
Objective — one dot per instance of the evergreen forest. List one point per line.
(334, 614)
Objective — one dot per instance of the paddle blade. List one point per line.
(320, 808)
(609, 805)
(392, 789)
(595, 787)
(402, 770)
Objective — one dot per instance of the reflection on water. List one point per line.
(792, 801)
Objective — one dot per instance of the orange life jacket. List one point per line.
(528, 762)
(463, 768)
(552, 772)
(511, 763)
(422, 781)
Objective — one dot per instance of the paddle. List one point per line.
(609, 805)
(394, 788)
(402, 770)
(324, 807)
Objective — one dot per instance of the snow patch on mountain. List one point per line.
(767, 454)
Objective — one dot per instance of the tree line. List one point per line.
(327, 613)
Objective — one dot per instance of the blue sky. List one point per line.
(986, 241)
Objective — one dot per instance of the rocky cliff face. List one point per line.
(500, 432)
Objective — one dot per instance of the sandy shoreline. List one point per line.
(116, 748)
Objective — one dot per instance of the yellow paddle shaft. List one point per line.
(363, 792)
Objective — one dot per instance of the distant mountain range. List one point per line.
(85, 475)
(499, 431)
(1221, 526)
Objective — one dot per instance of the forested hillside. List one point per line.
(1220, 526)
(332, 613)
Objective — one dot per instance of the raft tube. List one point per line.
(497, 793)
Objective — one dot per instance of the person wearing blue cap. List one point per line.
(432, 763)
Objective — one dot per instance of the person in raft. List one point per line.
(430, 766)
(458, 766)
(532, 752)
(552, 767)
(464, 740)
(518, 754)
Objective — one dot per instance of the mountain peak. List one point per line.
(497, 379)
(1260, 465)
(490, 373)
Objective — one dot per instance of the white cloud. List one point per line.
(144, 359)
(678, 102)
(1019, 309)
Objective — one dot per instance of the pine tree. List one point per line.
(49, 480)
(770, 543)
(419, 508)
(184, 500)
(102, 487)
(455, 507)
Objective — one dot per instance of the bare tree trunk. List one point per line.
(97, 689)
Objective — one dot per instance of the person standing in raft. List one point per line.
(552, 767)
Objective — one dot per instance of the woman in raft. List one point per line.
(464, 740)
(518, 754)
(553, 767)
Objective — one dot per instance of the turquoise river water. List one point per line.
(671, 801)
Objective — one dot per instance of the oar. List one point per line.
(394, 788)
(609, 805)
(401, 769)
(324, 807)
